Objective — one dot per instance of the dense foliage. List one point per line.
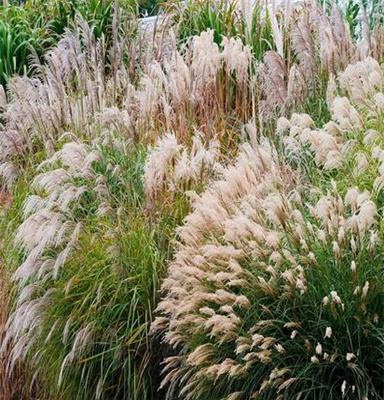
(27, 31)
(191, 206)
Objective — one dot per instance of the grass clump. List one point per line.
(227, 19)
(29, 30)
(275, 292)
(346, 148)
(87, 305)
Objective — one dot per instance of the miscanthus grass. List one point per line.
(88, 281)
(275, 290)
(348, 147)
(15, 383)
(243, 180)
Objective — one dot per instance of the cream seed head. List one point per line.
(328, 332)
(350, 356)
